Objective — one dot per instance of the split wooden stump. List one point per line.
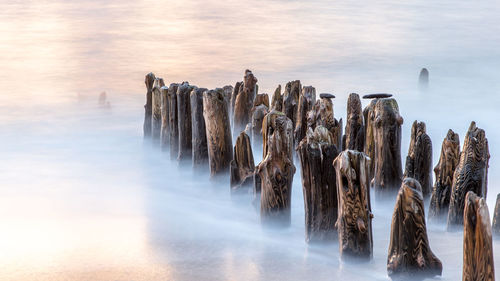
(419, 159)
(410, 255)
(355, 215)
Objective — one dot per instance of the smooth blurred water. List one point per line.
(83, 198)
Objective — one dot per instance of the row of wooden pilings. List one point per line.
(338, 169)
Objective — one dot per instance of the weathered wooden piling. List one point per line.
(307, 99)
(276, 170)
(478, 262)
(322, 114)
(387, 139)
(244, 102)
(234, 95)
(258, 114)
(291, 100)
(164, 119)
(410, 255)
(316, 153)
(471, 173)
(496, 217)
(184, 122)
(219, 141)
(441, 192)
(277, 100)
(228, 93)
(354, 128)
(148, 107)
(242, 166)
(156, 116)
(261, 99)
(172, 120)
(419, 159)
(199, 134)
(423, 78)
(355, 215)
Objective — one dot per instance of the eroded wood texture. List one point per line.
(148, 107)
(306, 102)
(199, 134)
(258, 114)
(244, 102)
(354, 128)
(322, 114)
(444, 170)
(156, 119)
(387, 137)
(242, 166)
(276, 169)
(496, 218)
(316, 153)
(184, 122)
(219, 141)
(410, 255)
(172, 120)
(419, 159)
(478, 262)
(277, 100)
(291, 100)
(355, 216)
(470, 175)
(261, 99)
(369, 146)
(164, 119)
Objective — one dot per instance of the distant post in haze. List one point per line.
(148, 107)
(423, 79)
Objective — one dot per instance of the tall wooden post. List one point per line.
(307, 99)
(419, 159)
(291, 100)
(172, 120)
(244, 102)
(164, 119)
(354, 128)
(277, 100)
(156, 119)
(184, 122)
(148, 107)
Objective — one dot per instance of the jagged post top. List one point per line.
(377, 96)
(149, 79)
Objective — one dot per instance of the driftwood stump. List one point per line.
(470, 175)
(242, 166)
(219, 141)
(164, 119)
(172, 120)
(199, 134)
(184, 122)
(276, 170)
(355, 215)
(148, 107)
(441, 192)
(354, 128)
(387, 136)
(156, 121)
(233, 99)
(419, 159)
(322, 114)
(316, 153)
(291, 100)
(307, 99)
(244, 102)
(496, 218)
(478, 262)
(410, 255)
(258, 114)
(277, 100)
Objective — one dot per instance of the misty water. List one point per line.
(83, 197)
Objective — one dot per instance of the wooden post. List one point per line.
(410, 255)
(244, 102)
(478, 262)
(355, 214)
(184, 122)
(387, 135)
(172, 120)
(277, 100)
(156, 121)
(291, 100)
(419, 159)
(236, 89)
(199, 134)
(496, 218)
(322, 114)
(219, 141)
(448, 161)
(258, 114)
(316, 152)
(354, 128)
(242, 166)
(307, 99)
(164, 119)
(261, 99)
(148, 107)
(423, 79)
(228, 92)
(470, 175)
(276, 170)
